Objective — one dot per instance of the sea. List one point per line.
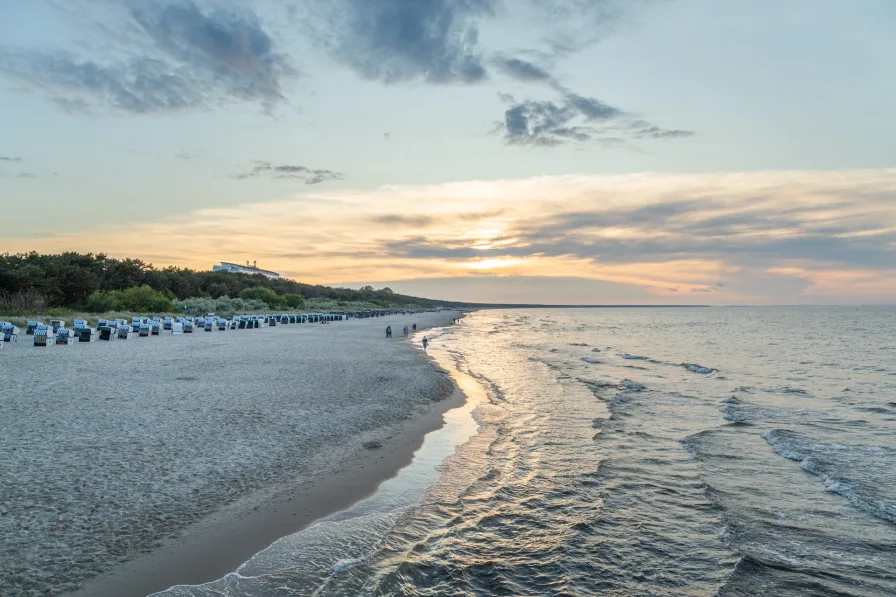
(629, 452)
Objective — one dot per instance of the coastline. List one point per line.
(313, 427)
(221, 542)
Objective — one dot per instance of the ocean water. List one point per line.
(624, 452)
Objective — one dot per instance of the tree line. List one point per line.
(32, 282)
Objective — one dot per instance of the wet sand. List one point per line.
(171, 460)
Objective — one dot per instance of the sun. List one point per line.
(486, 264)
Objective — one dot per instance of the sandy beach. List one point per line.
(131, 466)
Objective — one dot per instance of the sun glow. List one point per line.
(736, 245)
(486, 264)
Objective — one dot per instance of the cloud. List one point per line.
(231, 48)
(523, 70)
(655, 132)
(487, 287)
(400, 219)
(176, 55)
(591, 108)
(781, 237)
(138, 86)
(546, 123)
(290, 172)
(435, 41)
(7, 160)
(574, 118)
(575, 24)
(542, 123)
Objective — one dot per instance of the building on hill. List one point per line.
(244, 269)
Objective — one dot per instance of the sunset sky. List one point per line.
(550, 151)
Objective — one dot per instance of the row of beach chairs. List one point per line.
(56, 332)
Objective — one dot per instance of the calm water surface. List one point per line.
(629, 452)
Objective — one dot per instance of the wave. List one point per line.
(599, 385)
(749, 573)
(862, 474)
(881, 410)
(596, 384)
(345, 564)
(792, 390)
(737, 412)
(693, 367)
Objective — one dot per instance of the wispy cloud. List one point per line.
(231, 48)
(10, 160)
(523, 70)
(140, 85)
(403, 220)
(572, 25)
(435, 41)
(747, 237)
(655, 132)
(438, 41)
(181, 55)
(574, 118)
(290, 172)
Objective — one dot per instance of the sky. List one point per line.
(512, 151)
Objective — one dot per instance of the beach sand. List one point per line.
(140, 464)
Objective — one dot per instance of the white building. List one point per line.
(244, 269)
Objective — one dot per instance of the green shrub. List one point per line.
(265, 295)
(294, 301)
(102, 301)
(137, 299)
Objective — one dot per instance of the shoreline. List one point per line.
(220, 542)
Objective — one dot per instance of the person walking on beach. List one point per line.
(425, 342)
(415, 327)
(405, 331)
(388, 331)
